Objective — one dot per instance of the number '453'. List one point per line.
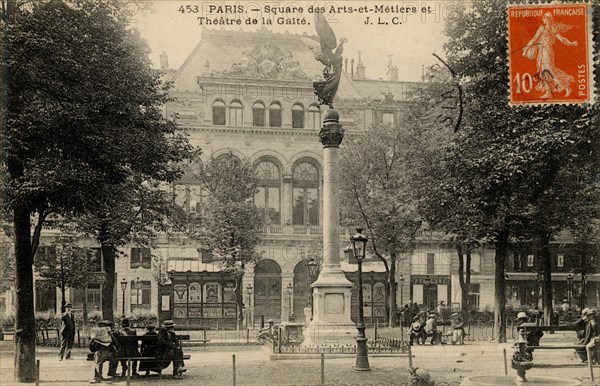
(188, 9)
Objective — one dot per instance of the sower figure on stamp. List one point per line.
(67, 333)
(169, 348)
(550, 78)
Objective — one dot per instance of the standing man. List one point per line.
(67, 333)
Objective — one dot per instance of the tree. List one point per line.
(229, 224)
(376, 190)
(505, 159)
(79, 121)
(65, 265)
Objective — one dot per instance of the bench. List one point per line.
(124, 339)
(551, 328)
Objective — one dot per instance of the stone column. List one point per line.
(331, 322)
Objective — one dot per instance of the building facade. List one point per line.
(250, 94)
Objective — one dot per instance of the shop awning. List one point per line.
(181, 265)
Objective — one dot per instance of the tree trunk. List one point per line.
(108, 289)
(239, 299)
(24, 339)
(85, 316)
(500, 286)
(393, 291)
(461, 278)
(546, 261)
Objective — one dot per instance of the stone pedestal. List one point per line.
(331, 322)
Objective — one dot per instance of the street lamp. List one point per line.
(313, 269)
(289, 291)
(123, 288)
(249, 316)
(570, 288)
(359, 246)
(138, 285)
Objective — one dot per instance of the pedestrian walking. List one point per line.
(67, 333)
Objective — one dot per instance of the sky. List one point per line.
(412, 34)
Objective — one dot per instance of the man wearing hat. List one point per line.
(104, 346)
(591, 331)
(149, 350)
(67, 333)
(129, 348)
(431, 329)
(169, 348)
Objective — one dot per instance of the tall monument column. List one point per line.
(331, 322)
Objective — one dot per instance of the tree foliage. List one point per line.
(65, 265)
(514, 173)
(377, 191)
(82, 114)
(229, 225)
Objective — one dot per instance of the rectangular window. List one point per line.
(298, 119)
(417, 295)
(235, 116)
(314, 119)
(388, 118)
(140, 257)
(298, 209)
(430, 263)
(140, 295)
(275, 117)
(206, 256)
(218, 115)
(560, 261)
(258, 117)
(475, 262)
(530, 260)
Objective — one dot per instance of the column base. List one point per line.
(329, 334)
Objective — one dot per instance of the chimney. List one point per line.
(346, 64)
(164, 61)
(360, 69)
(392, 72)
(352, 69)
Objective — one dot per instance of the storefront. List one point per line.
(430, 290)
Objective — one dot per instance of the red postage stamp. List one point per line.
(549, 54)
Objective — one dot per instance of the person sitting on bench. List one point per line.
(169, 348)
(128, 349)
(591, 331)
(149, 350)
(104, 346)
(417, 331)
(431, 329)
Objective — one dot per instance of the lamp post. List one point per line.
(569, 288)
(313, 267)
(359, 244)
(289, 291)
(138, 285)
(123, 288)
(249, 316)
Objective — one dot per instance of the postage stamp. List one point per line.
(549, 54)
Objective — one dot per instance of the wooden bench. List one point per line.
(125, 339)
(552, 328)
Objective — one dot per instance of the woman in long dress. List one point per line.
(550, 78)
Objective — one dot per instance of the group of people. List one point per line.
(425, 325)
(105, 346)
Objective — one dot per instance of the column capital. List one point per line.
(332, 132)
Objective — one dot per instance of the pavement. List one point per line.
(214, 365)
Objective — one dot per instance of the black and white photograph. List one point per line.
(300, 193)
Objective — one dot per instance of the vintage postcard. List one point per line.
(454, 99)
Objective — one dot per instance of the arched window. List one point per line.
(235, 114)
(218, 112)
(297, 116)
(314, 117)
(268, 196)
(275, 114)
(258, 114)
(305, 191)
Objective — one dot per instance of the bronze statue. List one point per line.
(325, 89)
